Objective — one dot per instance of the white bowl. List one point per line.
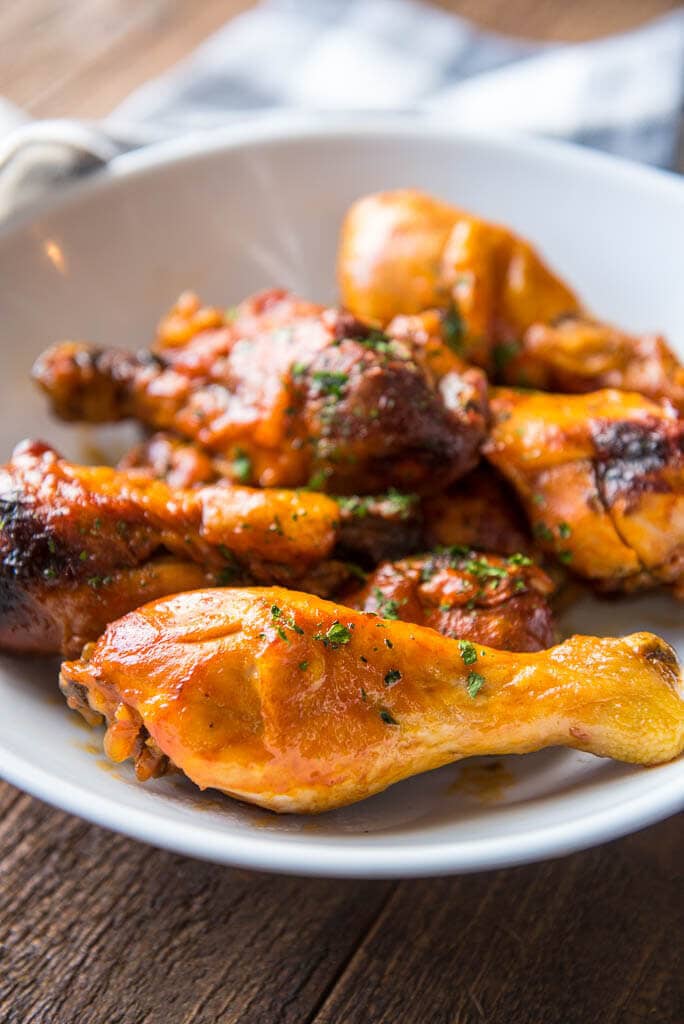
(260, 205)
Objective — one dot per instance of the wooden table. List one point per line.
(97, 929)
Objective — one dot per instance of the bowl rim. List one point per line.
(315, 855)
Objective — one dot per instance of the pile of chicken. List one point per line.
(363, 515)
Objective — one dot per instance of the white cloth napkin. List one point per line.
(623, 94)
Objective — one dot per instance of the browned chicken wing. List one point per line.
(290, 394)
(403, 252)
(298, 704)
(480, 598)
(601, 477)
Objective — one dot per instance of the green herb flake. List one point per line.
(282, 634)
(388, 643)
(565, 557)
(82, 556)
(299, 369)
(453, 329)
(474, 684)
(303, 665)
(330, 383)
(392, 677)
(542, 531)
(242, 467)
(275, 611)
(564, 530)
(387, 607)
(519, 559)
(468, 652)
(363, 659)
(387, 717)
(336, 636)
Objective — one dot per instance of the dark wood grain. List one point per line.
(98, 929)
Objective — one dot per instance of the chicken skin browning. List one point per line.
(81, 545)
(465, 594)
(290, 394)
(298, 704)
(404, 252)
(601, 478)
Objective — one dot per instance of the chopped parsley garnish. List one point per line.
(482, 569)
(98, 581)
(336, 636)
(330, 382)
(82, 556)
(282, 634)
(542, 531)
(388, 643)
(565, 557)
(519, 585)
(377, 340)
(400, 503)
(564, 530)
(299, 369)
(275, 611)
(387, 717)
(317, 480)
(474, 683)
(519, 559)
(52, 547)
(453, 329)
(50, 573)
(358, 507)
(387, 607)
(468, 652)
(392, 677)
(303, 665)
(242, 467)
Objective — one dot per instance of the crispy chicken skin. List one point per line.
(500, 602)
(601, 478)
(291, 394)
(404, 252)
(81, 545)
(297, 704)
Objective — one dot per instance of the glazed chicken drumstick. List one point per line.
(81, 545)
(290, 393)
(403, 252)
(297, 704)
(601, 478)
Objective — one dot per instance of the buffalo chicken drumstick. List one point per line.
(297, 704)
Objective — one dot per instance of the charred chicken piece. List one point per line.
(318, 399)
(479, 598)
(601, 478)
(298, 704)
(80, 545)
(404, 252)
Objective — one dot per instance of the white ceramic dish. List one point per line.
(258, 205)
